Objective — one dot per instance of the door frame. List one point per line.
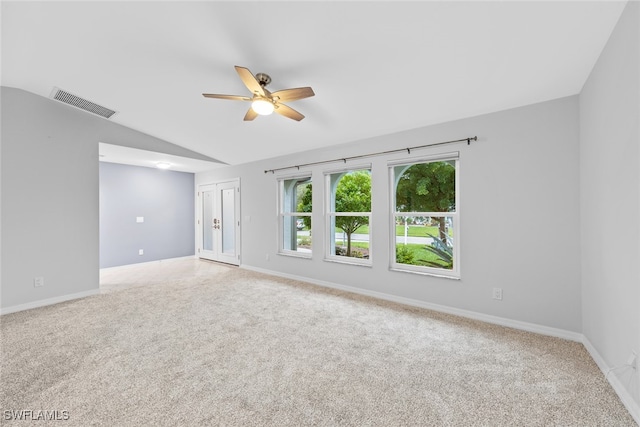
(216, 255)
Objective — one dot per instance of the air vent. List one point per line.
(83, 104)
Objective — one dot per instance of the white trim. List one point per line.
(350, 213)
(294, 254)
(282, 213)
(330, 216)
(454, 155)
(306, 173)
(348, 168)
(421, 214)
(349, 260)
(454, 273)
(48, 301)
(509, 323)
(401, 268)
(624, 395)
(216, 253)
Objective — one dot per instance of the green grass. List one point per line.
(420, 254)
(364, 245)
(362, 230)
(417, 230)
(413, 231)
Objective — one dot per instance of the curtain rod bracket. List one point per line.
(408, 150)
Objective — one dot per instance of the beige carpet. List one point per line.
(189, 343)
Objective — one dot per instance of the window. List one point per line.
(425, 216)
(349, 216)
(295, 216)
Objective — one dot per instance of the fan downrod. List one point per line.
(263, 79)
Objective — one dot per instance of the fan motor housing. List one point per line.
(263, 79)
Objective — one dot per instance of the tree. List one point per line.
(353, 194)
(428, 187)
(303, 194)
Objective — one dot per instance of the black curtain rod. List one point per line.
(399, 150)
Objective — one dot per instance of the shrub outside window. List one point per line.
(425, 216)
(348, 216)
(295, 209)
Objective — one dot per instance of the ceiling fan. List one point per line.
(264, 102)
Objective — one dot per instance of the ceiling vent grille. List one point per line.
(83, 104)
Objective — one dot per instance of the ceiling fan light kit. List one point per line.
(262, 107)
(264, 102)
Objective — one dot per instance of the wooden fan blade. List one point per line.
(287, 111)
(233, 97)
(293, 94)
(250, 81)
(250, 115)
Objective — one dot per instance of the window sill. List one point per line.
(424, 273)
(296, 255)
(340, 261)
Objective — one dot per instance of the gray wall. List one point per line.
(610, 200)
(49, 196)
(519, 213)
(165, 199)
(49, 200)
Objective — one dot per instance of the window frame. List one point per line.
(281, 215)
(454, 273)
(329, 213)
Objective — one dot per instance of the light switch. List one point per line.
(139, 219)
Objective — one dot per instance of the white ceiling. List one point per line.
(376, 67)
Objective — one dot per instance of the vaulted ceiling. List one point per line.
(376, 67)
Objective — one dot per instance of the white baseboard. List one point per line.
(624, 395)
(157, 261)
(515, 324)
(48, 301)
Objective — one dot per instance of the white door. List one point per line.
(219, 222)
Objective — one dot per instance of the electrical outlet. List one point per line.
(38, 282)
(140, 251)
(497, 293)
(266, 257)
(633, 360)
